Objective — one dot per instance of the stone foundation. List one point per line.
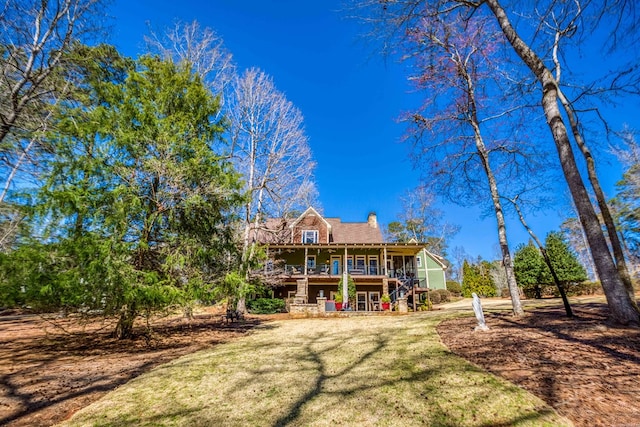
(304, 309)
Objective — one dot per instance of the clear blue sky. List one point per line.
(349, 97)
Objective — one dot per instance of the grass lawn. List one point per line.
(379, 370)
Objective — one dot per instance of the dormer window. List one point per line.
(310, 236)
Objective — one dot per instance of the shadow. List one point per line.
(589, 315)
(324, 376)
(51, 367)
(583, 366)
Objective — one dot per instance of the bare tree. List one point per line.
(34, 37)
(202, 48)
(270, 148)
(562, 26)
(402, 14)
(576, 238)
(421, 220)
(623, 307)
(455, 64)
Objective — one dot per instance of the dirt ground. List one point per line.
(588, 371)
(51, 367)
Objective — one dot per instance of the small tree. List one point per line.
(531, 270)
(477, 279)
(564, 261)
(421, 221)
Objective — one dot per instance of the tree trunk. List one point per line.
(623, 309)
(482, 151)
(502, 229)
(124, 328)
(618, 253)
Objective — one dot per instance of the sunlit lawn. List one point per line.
(383, 370)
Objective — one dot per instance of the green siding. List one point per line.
(436, 279)
(430, 272)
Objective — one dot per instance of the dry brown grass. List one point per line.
(381, 370)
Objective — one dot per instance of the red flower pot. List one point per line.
(386, 305)
(338, 306)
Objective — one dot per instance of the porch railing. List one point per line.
(327, 269)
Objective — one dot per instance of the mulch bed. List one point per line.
(50, 367)
(587, 370)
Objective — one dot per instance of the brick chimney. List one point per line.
(372, 220)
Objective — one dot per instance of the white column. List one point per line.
(383, 262)
(345, 278)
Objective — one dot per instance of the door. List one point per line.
(335, 265)
(361, 301)
(374, 301)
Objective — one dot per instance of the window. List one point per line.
(373, 265)
(419, 261)
(310, 236)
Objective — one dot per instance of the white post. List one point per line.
(345, 278)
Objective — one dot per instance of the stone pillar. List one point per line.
(301, 292)
(403, 307)
(385, 286)
(322, 305)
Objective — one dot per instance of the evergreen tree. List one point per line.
(476, 278)
(137, 207)
(564, 261)
(626, 205)
(531, 270)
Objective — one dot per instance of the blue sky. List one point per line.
(349, 97)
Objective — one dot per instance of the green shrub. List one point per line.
(476, 278)
(445, 295)
(266, 305)
(434, 297)
(540, 291)
(584, 288)
(425, 306)
(439, 296)
(454, 287)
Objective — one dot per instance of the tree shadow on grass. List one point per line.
(324, 375)
(420, 378)
(49, 370)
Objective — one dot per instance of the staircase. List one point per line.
(405, 286)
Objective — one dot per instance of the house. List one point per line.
(309, 255)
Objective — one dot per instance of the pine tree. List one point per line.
(137, 206)
(564, 261)
(531, 270)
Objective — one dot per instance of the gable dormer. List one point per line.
(310, 227)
